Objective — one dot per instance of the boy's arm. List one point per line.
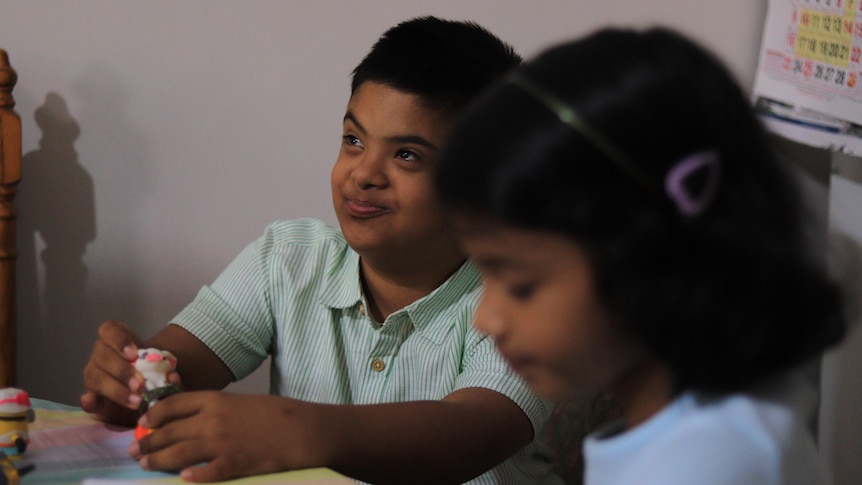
(113, 387)
(453, 440)
(198, 366)
(448, 441)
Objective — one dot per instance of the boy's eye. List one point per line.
(407, 155)
(351, 140)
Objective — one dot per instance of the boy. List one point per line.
(376, 372)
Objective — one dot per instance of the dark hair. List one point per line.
(724, 296)
(444, 62)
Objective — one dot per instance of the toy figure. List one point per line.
(155, 365)
(9, 473)
(15, 414)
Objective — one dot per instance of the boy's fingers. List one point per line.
(118, 336)
(174, 445)
(176, 407)
(173, 457)
(174, 378)
(110, 375)
(214, 471)
(178, 455)
(105, 358)
(90, 402)
(106, 411)
(101, 384)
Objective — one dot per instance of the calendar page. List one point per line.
(809, 77)
(811, 56)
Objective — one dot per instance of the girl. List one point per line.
(636, 233)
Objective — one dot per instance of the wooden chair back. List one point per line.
(10, 175)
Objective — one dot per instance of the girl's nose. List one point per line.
(489, 317)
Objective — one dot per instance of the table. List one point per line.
(69, 446)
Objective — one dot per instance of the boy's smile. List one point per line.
(363, 208)
(382, 179)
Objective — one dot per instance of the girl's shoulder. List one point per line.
(728, 439)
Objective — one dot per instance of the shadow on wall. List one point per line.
(57, 223)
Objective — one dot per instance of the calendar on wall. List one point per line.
(810, 71)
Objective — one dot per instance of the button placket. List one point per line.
(387, 344)
(377, 365)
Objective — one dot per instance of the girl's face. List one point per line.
(540, 307)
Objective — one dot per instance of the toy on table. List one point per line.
(15, 416)
(154, 365)
(9, 473)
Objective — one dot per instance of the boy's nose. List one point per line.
(369, 172)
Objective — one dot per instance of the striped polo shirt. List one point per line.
(295, 295)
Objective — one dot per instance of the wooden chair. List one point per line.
(10, 175)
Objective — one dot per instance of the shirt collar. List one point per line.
(446, 298)
(342, 289)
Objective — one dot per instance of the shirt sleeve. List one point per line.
(232, 315)
(485, 367)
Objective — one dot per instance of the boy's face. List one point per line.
(541, 308)
(382, 180)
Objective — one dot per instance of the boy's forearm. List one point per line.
(449, 441)
(198, 366)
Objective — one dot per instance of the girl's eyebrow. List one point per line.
(407, 138)
(495, 263)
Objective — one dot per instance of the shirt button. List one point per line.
(362, 309)
(377, 365)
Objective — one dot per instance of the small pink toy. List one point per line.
(154, 365)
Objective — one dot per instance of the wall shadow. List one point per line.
(78, 267)
(56, 223)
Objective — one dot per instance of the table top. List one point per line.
(69, 446)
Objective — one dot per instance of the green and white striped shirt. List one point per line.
(295, 294)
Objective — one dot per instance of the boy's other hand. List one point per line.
(233, 434)
(113, 386)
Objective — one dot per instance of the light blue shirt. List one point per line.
(739, 439)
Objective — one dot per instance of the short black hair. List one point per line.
(445, 63)
(725, 298)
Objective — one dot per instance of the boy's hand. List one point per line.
(113, 386)
(232, 434)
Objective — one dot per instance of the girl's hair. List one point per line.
(640, 147)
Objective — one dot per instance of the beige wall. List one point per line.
(170, 133)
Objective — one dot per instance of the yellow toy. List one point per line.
(9, 473)
(15, 416)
